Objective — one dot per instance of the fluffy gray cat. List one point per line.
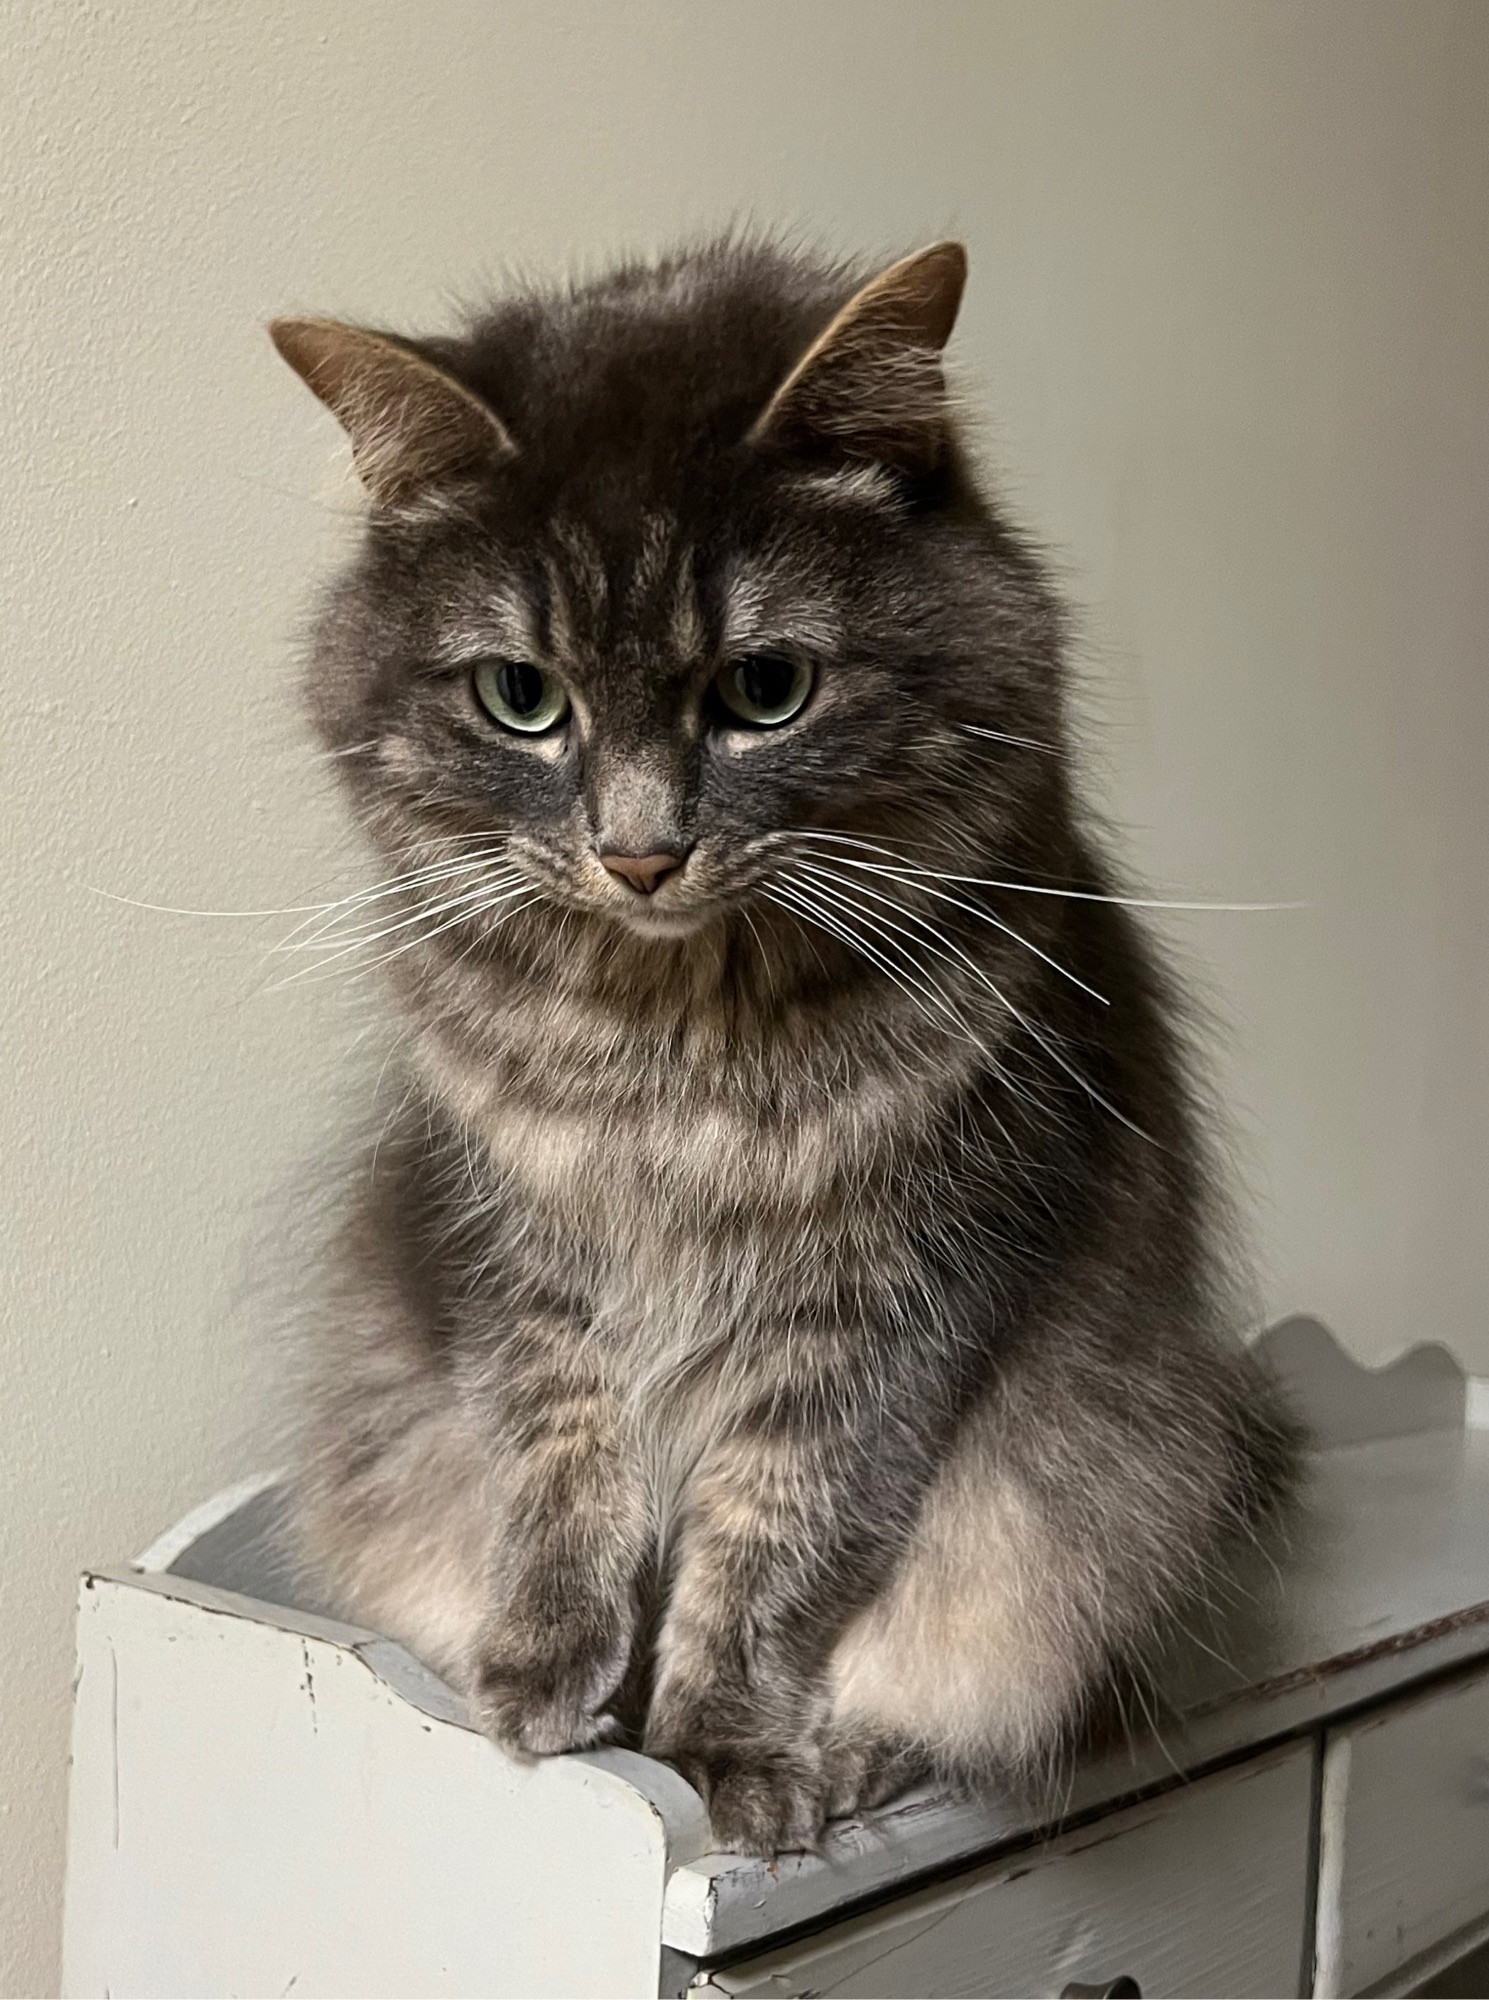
(782, 1328)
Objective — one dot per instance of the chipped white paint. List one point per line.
(165, 1549)
(1404, 1860)
(1203, 1891)
(1328, 1969)
(255, 1809)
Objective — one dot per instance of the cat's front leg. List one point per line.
(571, 1540)
(790, 1523)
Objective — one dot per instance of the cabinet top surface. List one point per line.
(1387, 1582)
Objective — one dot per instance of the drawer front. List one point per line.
(1404, 1833)
(1202, 1891)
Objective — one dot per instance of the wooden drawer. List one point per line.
(1201, 1891)
(1404, 1834)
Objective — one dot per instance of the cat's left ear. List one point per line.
(870, 385)
(409, 422)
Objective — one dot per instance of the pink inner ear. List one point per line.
(409, 422)
(871, 383)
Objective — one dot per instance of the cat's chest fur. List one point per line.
(691, 1177)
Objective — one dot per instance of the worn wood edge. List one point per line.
(1364, 1839)
(773, 1955)
(680, 1813)
(1408, 1978)
(678, 1975)
(1435, 1637)
(1328, 1934)
(721, 1903)
(170, 1546)
(1344, 1401)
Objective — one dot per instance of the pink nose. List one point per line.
(642, 872)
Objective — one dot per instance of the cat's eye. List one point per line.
(520, 696)
(764, 689)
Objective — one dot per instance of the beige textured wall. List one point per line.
(1228, 319)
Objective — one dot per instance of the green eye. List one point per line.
(764, 689)
(520, 696)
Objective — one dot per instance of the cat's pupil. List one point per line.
(519, 685)
(766, 679)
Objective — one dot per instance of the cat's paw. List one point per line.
(865, 1770)
(536, 1711)
(759, 1801)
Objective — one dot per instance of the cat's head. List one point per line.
(665, 577)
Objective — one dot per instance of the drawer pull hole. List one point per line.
(1122, 1988)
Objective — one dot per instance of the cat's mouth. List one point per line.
(664, 914)
(647, 923)
(643, 918)
(699, 897)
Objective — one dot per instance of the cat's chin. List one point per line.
(660, 926)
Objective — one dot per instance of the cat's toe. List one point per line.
(767, 1812)
(758, 1803)
(861, 1772)
(533, 1720)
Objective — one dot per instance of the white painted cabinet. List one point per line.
(1201, 1891)
(259, 1809)
(267, 1801)
(1404, 1826)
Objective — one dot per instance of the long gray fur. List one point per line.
(783, 1327)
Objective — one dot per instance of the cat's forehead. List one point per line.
(589, 593)
(629, 381)
(636, 512)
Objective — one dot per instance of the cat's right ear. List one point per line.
(410, 423)
(870, 385)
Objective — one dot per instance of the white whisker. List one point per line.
(916, 991)
(760, 946)
(1002, 736)
(464, 916)
(945, 948)
(469, 903)
(390, 885)
(334, 933)
(972, 909)
(914, 869)
(177, 910)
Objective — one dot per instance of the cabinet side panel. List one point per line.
(254, 1811)
(92, 1832)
